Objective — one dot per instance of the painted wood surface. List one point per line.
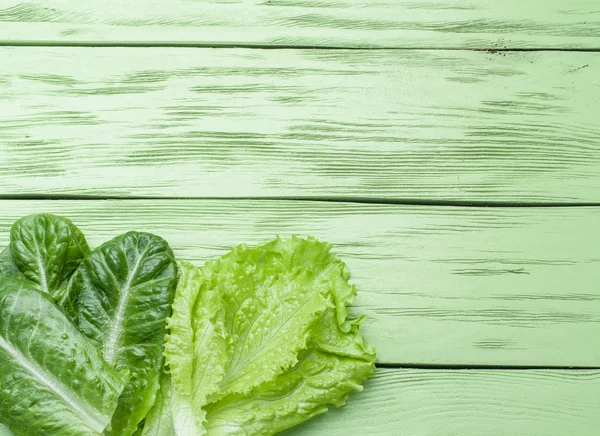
(392, 125)
(439, 285)
(316, 23)
(467, 403)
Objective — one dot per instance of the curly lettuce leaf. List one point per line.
(120, 298)
(272, 294)
(44, 250)
(317, 381)
(335, 363)
(290, 350)
(54, 380)
(196, 349)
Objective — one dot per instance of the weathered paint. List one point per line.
(384, 125)
(313, 23)
(467, 403)
(439, 285)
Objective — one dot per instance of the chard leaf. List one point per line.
(44, 250)
(120, 298)
(54, 381)
(196, 349)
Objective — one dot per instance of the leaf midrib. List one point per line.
(110, 346)
(40, 264)
(89, 416)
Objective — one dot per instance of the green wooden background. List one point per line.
(449, 149)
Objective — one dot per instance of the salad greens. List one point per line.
(44, 250)
(54, 381)
(260, 341)
(254, 342)
(120, 298)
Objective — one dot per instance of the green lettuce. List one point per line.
(260, 341)
(44, 250)
(159, 421)
(54, 380)
(120, 298)
(196, 349)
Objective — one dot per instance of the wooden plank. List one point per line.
(467, 403)
(442, 286)
(315, 23)
(408, 125)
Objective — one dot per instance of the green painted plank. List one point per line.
(316, 23)
(467, 403)
(408, 125)
(443, 286)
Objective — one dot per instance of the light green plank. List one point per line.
(417, 125)
(442, 286)
(319, 23)
(467, 403)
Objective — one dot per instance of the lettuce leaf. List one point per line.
(335, 363)
(260, 341)
(159, 421)
(196, 349)
(5, 431)
(120, 297)
(272, 295)
(317, 380)
(44, 250)
(54, 381)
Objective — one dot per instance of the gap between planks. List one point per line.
(442, 367)
(466, 403)
(108, 44)
(307, 23)
(350, 200)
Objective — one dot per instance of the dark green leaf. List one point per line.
(45, 250)
(7, 265)
(53, 380)
(120, 297)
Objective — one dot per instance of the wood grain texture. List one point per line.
(315, 23)
(399, 125)
(467, 403)
(443, 286)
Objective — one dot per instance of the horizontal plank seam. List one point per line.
(485, 367)
(103, 44)
(356, 200)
